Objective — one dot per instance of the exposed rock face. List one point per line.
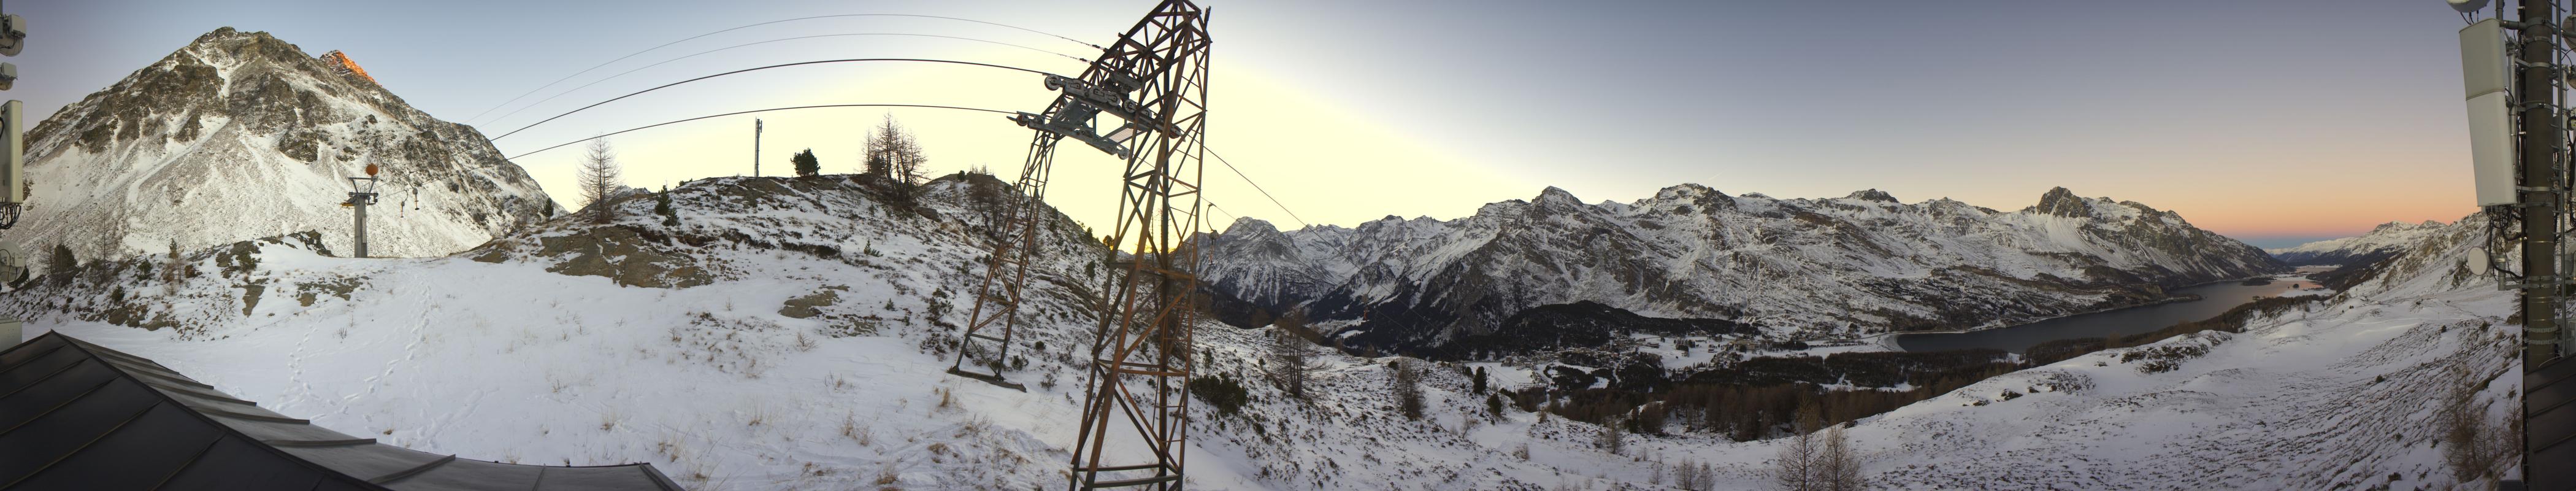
(239, 136)
(341, 63)
(1797, 268)
(2061, 202)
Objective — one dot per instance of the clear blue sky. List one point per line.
(2273, 121)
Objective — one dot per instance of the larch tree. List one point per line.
(1837, 469)
(170, 266)
(1796, 467)
(1289, 364)
(1408, 388)
(600, 178)
(893, 154)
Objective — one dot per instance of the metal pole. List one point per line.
(361, 205)
(2542, 198)
(2540, 180)
(755, 147)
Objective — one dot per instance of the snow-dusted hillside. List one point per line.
(787, 334)
(2346, 393)
(2382, 242)
(1859, 264)
(240, 135)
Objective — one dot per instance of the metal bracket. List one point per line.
(2528, 282)
(1062, 126)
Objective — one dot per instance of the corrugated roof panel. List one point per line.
(39, 368)
(241, 464)
(25, 405)
(81, 416)
(465, 474)
(2550, 402)
(69, 426)
(138, 455)
(369, 462)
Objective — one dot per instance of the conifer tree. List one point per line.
(806, 164)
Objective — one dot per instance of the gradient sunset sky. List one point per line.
(2274, 122)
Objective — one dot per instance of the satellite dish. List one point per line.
(2467, 6)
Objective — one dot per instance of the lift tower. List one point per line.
(1153, 81)
(362, 193)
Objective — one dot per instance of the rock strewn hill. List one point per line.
(240, 135)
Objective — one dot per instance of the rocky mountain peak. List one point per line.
(240, 135)
(1874, 194)
(2061, 202)
(1248, 226)
(1557, 196)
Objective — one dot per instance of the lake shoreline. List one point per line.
(2067, 327)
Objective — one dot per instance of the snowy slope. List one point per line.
(682, 346)
(789, 334)
(2383, 241)
(1860, 264)
(2341, 394)
(239, 136)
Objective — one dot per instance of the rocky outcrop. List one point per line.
(341, 63)
(241, 135)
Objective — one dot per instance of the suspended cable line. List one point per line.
(539, 102)
(784, 65)
(665, 123)
(1265, 193)
(736, 28)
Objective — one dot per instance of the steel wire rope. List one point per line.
(1265, 193)
(736, 28)
(783, 65)
(533, 105)
(736, 113)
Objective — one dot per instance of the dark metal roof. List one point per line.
(2549, 400)
(75, 415)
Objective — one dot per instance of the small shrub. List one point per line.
(1221, 392)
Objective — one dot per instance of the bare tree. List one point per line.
(893, 153)
(2471, 442)
(1836, 468)
(1289, 364)
(1694, 476)
(600, 180)
(1611, 439)
(1408, 388)
(1796, 468)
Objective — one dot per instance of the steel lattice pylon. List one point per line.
(1154, 79)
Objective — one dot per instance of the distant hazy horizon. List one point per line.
(2269, 131)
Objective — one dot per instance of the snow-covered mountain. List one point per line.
(791, 334)
(2382, 242)
(2356, 391)
(240, 135)
(1859, 264)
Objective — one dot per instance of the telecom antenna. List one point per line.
(13, 126)
(1153, 80)
(2514, 92)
